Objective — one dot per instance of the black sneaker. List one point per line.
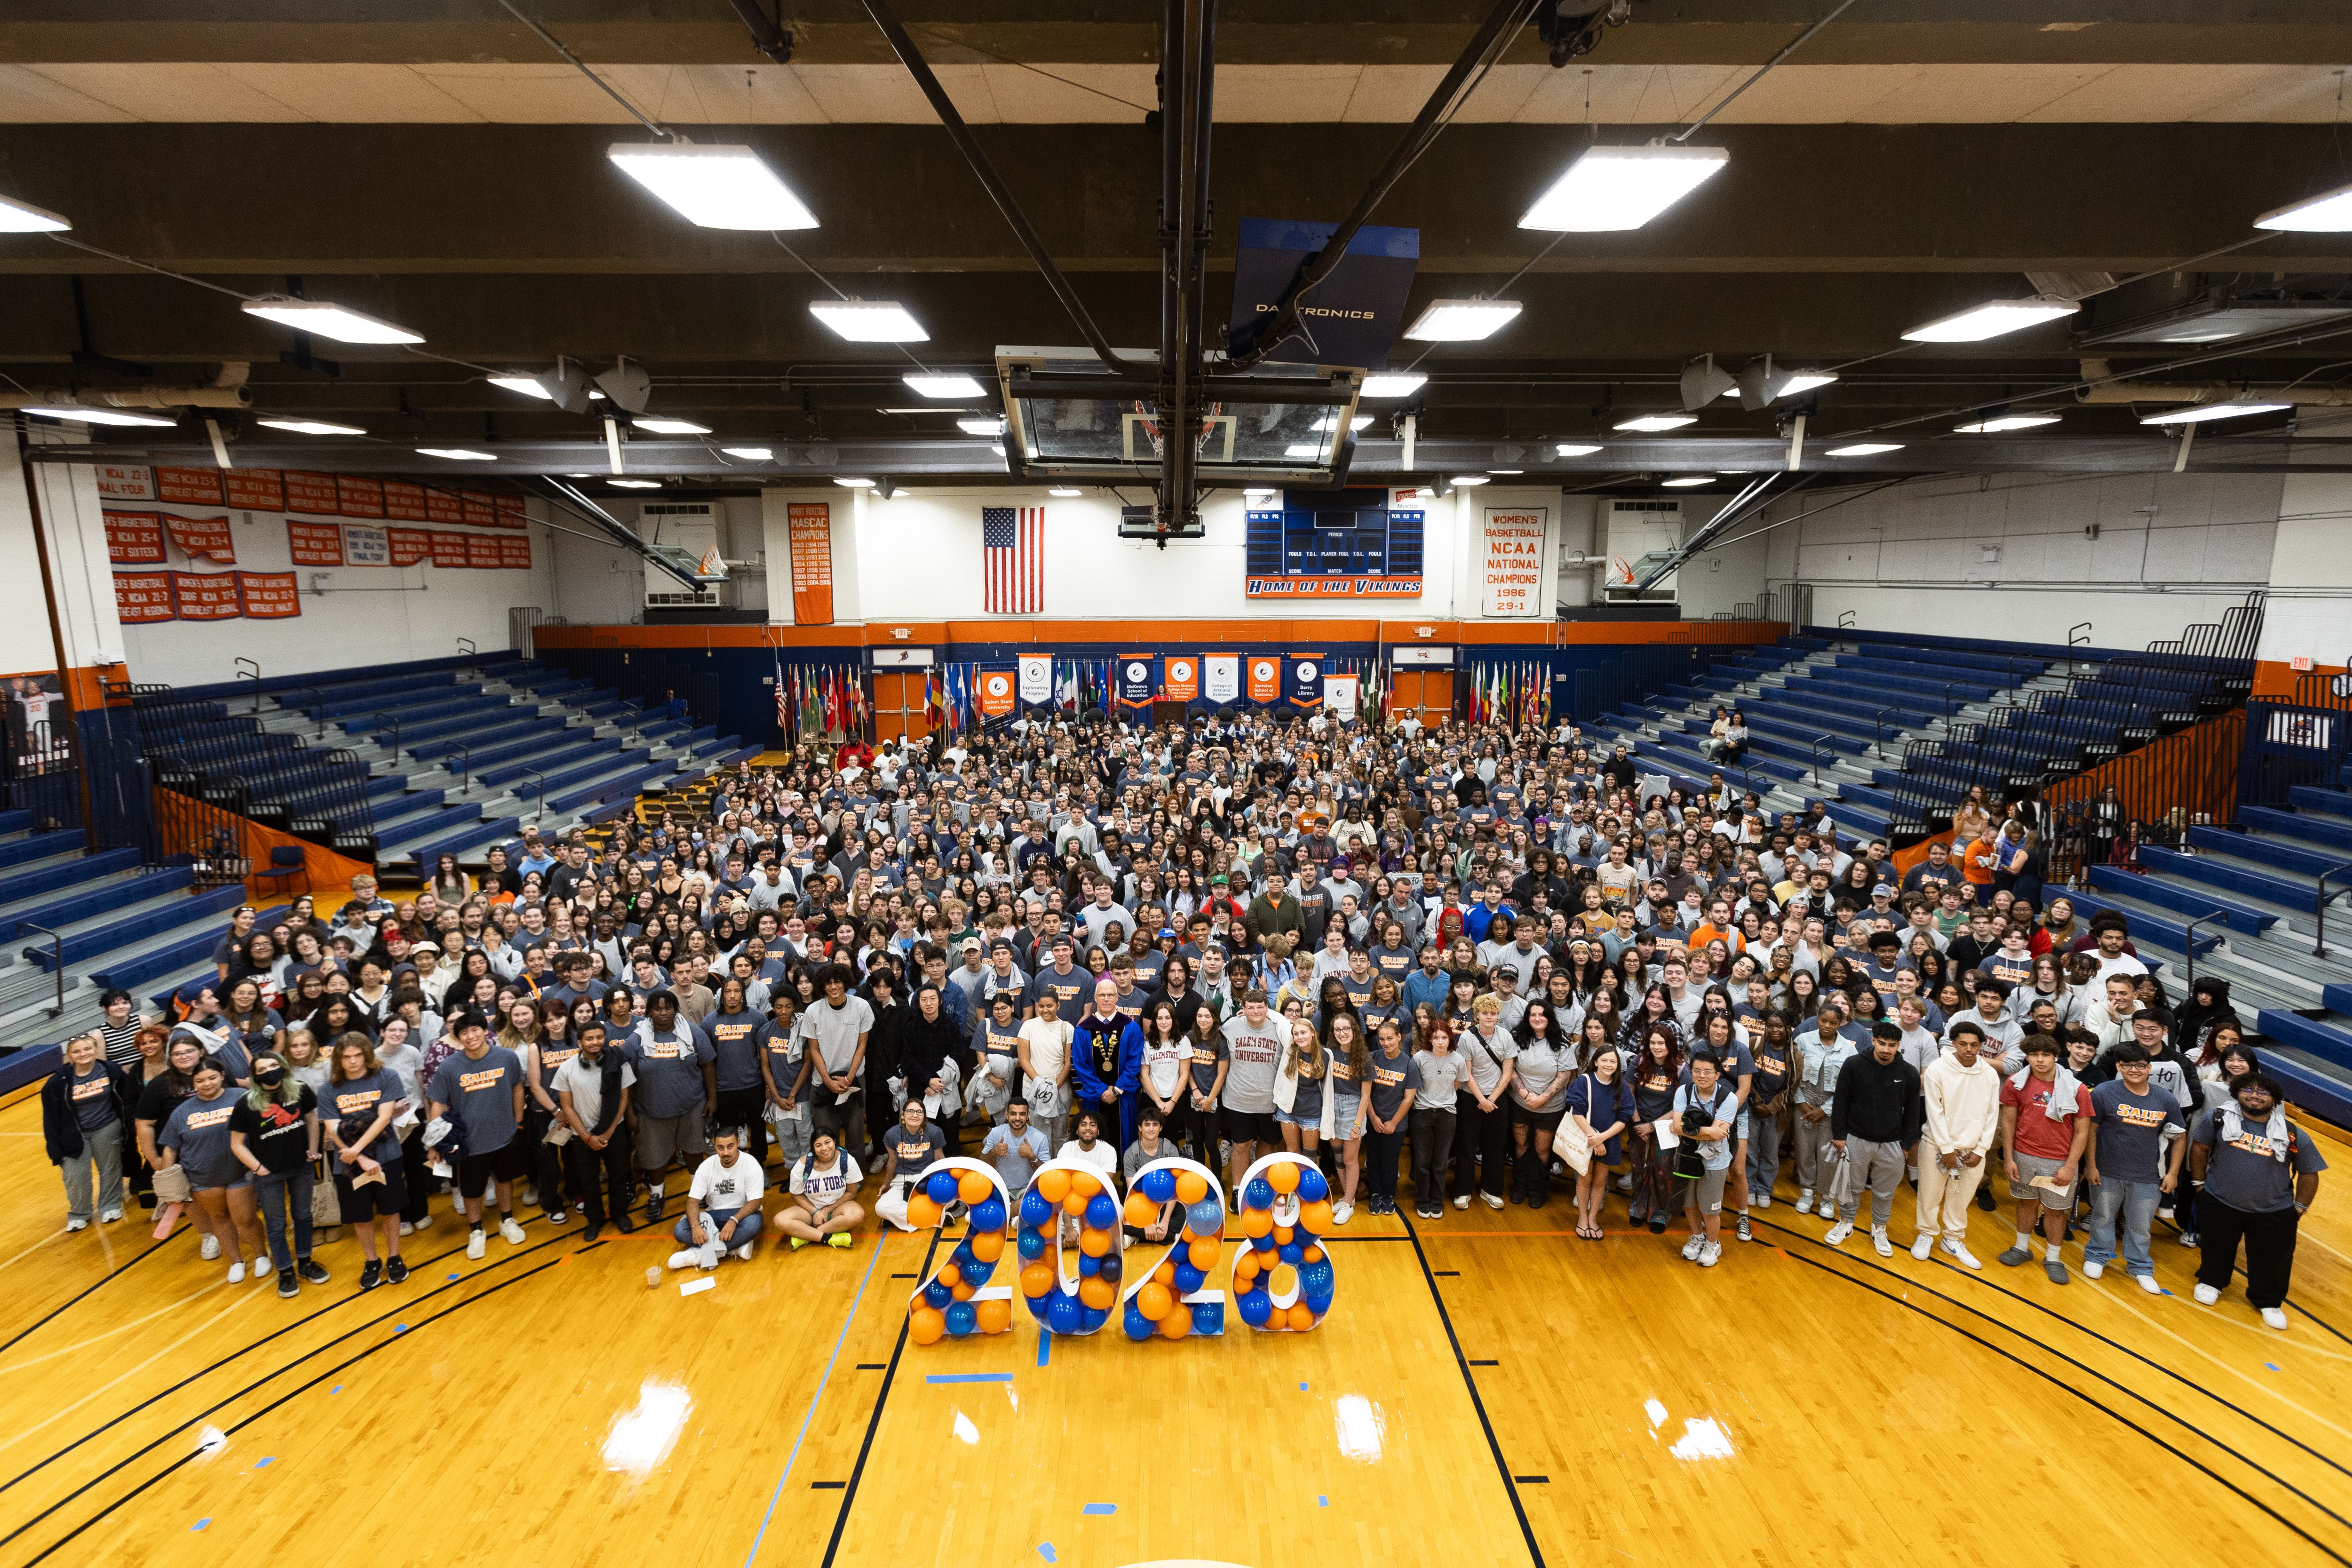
(311, 1271)
(625, 1224)
(372, 1275)
(286, 1286)
(652, 1211)
(1985, 1200)
(396, 1272)
(1657, 1224)
(596, 1229)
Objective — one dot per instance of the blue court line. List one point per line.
(970, 1377)
(1045, 1346)
(202, 1522)
(1045, 1550)
(811, 1414)
(1100, 1508)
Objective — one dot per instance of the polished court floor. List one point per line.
(1487, 1389)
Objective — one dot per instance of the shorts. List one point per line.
(1541, 1121)
(172, 1185)
(661, 1138)
(1706, 1190)
(477, 1172)
(1312, 1122)
(387, 1197)
(2031, 1165)
(1251, 1127)
(1348, 1114)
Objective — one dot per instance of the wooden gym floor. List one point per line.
(1487, 1389)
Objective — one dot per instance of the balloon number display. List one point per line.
(1173, 1298)
(958, 1300)
(1069, 1207)
(1283, 1280)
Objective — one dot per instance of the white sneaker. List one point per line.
(209, 1248)
(2274, 1318)
(557, 1216)
(510, 1231)
(1692, 1248)
(1762, 1200)
(475, 1244)
(1959, 1251)
(406, 1228)
(1624, 1184)
(1805, 1202)
(1342, 1212)
(1710, 1254)
(1463, 1202)
(1492, 1201)
(1839, 1232)
(1879, 1239)
(237, 1273)
(2206, 1295)
(77, 1225)
(111, 1216)
(685, 1257)
(2148, 1283)
(425, 1223)
(744, 1252)
(2092, 1271)
(1925, 1244)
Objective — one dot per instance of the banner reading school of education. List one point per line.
(1137, 679)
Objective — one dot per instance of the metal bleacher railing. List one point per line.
(656, 686)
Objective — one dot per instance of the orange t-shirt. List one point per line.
(1983, 858)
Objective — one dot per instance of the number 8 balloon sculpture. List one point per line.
(1283, 1280)
(1173, 1298)
(958, 1300)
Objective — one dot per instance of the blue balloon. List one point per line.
(1089, 1267)
(976, 1273)
(1031, 1244)
(1041, 1308)
(1189, 1278)
(1316, 1278)
(1255, 1307)
(1312, 1187)
(1159, 1187)
(1263, 1243)
(1206, 1218)
(1102, 1212)
(1063, 1312)
(988, 1214)
(1035, 1209)
(1292, 1251)
(963, 1254)
(1109, 1266)
(1259, 1194)
(1209, 1317)
(941, 1187)
(1137, 1325)
(1317, 1302)
(938, 1296)
(1093, 1317)
(962, 1318)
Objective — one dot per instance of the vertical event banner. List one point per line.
(1221, 678)
(364, 544)
(141, 598)
(409, 546)
(515, 551)
(1510, 563)
(123, 482)
(314, 543)
(1265, 677)
(995, 693)
(267, 595)
(808, 533)
(314, 493)
(205, 595)
(1036, 677)
(134, 538)
(255, 489)
(1302, 679)
(1339, 695)
(201, 487)
(202, 538)
(1182, 681)
(1137, 679)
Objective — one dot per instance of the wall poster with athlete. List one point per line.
(35, 721)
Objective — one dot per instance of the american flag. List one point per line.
(1012, 558)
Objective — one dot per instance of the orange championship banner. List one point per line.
(141, 598)
(514, 553)
(205, 595)
(405, 501)
(481, 550)
(357, 497)
(444, 506)
(409, 545)
(478, 509)
(201, 486)
(808, 528)
(1265, 677)
(201, 537)
(314, 493)
(1180, 680)
(267, 595)
(134, 538)
(995, 693)
(123, 482)
(451, 549)
(314, 543)
(256, 489)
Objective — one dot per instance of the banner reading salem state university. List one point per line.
(1138, 678)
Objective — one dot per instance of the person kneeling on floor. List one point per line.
(722, 1205)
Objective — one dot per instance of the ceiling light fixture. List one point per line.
(23, 218)
(750, 454)
(1464, 482)
(870, 321)
(1576, 448)
(2198, 414)
(1702, 382)
(456, 454)
(713, 187)
(1805, 381)
(1303, 449)
(326, 319)
(516, 380)
(1653, 422)
(1614, 188)
(2330, 212)
(1994, 318)
(312, 427)
(2002, 423)
(81, 415)
(936, 384)
(1866, 449)
(1331, 421)
(1393, 383)
(1065, 494)
(980, 424)
(854, 484)
(636, 484)
(671, 427)
(1686, 480)
(1462, 321)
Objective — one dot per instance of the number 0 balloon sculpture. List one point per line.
(1070, 1207)
(958, 1300)
(1170, 1296)
(1282, 1281)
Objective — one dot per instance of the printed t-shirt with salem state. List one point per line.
(481, 1091)
(364, 1097)
(670, 1066)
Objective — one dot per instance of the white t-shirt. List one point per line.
(824, 1188)
(725, 1187)
(586, 1083)
(1049, 1047)
(1103, 1156)
(1164, 1061)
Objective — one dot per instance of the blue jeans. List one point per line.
(2138, 1201)
(278, 1192)
(747, 1230)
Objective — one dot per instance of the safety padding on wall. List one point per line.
(1070, 1207)
(1171, 1297)
(958, 1300)
(1283, 1281)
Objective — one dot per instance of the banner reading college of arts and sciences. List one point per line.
(1036, 679)
(1221, 678)
(1137, 677)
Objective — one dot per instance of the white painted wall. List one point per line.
(2171, 549)
(83, 582)
(2310, 609)
(1575, 537)
(597, 584)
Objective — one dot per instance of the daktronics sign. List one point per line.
(1332, 587)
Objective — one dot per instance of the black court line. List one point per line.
(1533, 1480)
(2174, 1227)
(1494, 1446)
(906, 1276)
(355, 1295)
(873, 1366)
(232, 1398)
(109, 1279)
(1439, 1274)
(873, 1422)
(2024, 1300)
(290, 1395)
(828, 1486)
(1485, 1364)
(2108, 1410)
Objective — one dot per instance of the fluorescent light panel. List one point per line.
(1331, 421)
(1305, 450)
(948, 384)
(750, 454)
(713, 187)
(1463, 320)
(312, 427)
(978, 425)
(1805, 381)
(869, 320)
(1393, 383)
(324, 319)
(1464, 481)
(81, 415)
(2327, 212)
(670, 427)
(456, 454)
(526, 385)
(1686, 480)
(2198, 412)
(1576, 448)
(23, 218)
(1065, 494)
(636, 484)
(2002, 424)
(1653, 422)
(1866, 449)
(855, 484)
(1994, 318)
(1614, 188)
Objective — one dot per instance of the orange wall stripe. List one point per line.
(1199, 634)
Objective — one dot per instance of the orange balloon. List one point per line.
(988, 1246)
(1054, 1186)
(1245, 1267)
(1312, 1255)
(1153, 1300)
(925, 1325)
(1093, 1243)
(1302, 1318)
(1165, 1274)
(1141, 1210)
(1074, 1207)
(1097, 1292)
(1256, 1223)
(1204, 1255)
(1316, 1216)
(972, 1187)
(1282, 1176)
(1191, 1187)
(1178, 1322)
(1036, 1279)
(921, 1212)
(964, 1293)
(1083, 1184)
(1282, 1235)
(995, 1315)
(949, 1275)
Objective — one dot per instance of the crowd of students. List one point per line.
(1466, 962)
